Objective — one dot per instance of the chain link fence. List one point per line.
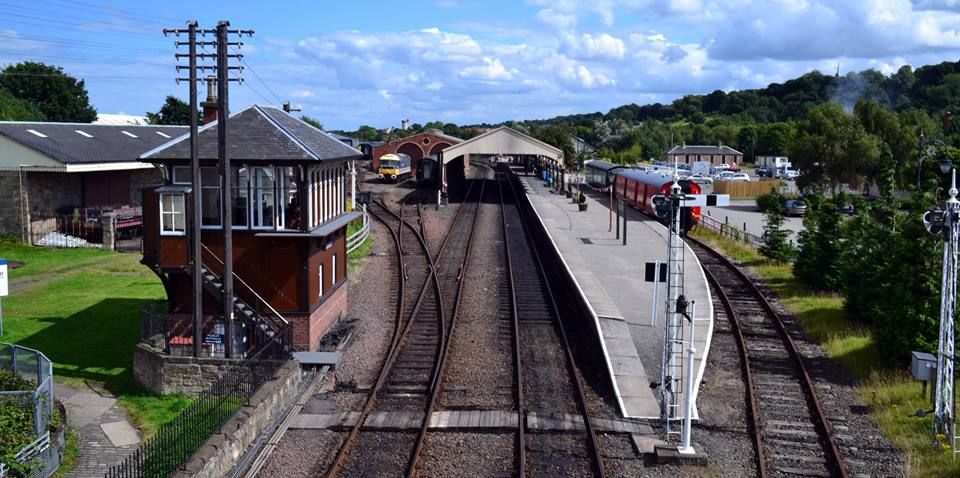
(42, 456)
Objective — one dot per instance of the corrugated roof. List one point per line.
(703, 149)
(605, 165)
(83, 143)
(260, 133)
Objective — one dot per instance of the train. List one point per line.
(600, 173)
(394, 167)
(428, 171)
(638, 188)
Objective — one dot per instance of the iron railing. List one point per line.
(176, 442)
(42, 456)
(727, 230)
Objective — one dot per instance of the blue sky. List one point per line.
(471, 61)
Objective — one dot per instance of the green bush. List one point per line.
(16, 422)
(818, 262)
(775, 245)
(766, 201)
(11, 381)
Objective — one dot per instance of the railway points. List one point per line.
(606, 273)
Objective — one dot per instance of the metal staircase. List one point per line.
(264, 323)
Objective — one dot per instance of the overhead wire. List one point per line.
(257, 76)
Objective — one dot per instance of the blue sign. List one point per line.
(213, 338)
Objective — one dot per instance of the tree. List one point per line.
(173, 112)
(818, 262)
(312, 122)
(775, 245)
(831, 146)
(60, 97)
(14, 109)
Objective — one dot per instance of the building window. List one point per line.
(289, 206)
(210, 207)
(182, 174)
(333, 271)
(262, 192)
(172, 214)
(320, 281)
(240, 197)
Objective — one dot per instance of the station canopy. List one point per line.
(503, 141)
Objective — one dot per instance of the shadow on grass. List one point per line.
(95, 344)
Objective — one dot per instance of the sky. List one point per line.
(350, 63)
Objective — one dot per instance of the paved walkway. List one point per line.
(106, 436)
(610, 276)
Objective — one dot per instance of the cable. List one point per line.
(76, 42)
(265, 85)
(115, 10)
(264, 98)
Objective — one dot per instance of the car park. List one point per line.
(701, 179)
(795, 207)
(733, 177)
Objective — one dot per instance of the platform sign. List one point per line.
(3, 278)
(3, 289)
(213, 339)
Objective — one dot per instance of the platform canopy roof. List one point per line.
(503, 141)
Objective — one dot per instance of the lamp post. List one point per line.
(932, 148)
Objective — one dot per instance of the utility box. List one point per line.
(923, 366)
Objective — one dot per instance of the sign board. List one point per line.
(3, 278)
(213, 338)
(651, 274)
(364, 197)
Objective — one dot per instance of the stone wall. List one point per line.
(164, 374)
(221, 452)
(10, 222)
(141, 178)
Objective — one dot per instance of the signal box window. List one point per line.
(172, 214)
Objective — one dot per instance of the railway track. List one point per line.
(545, 373)
(409, 379)
(792, 434)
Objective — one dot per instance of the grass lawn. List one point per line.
(892, 395)
(81, 307)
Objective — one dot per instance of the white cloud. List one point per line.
(491, 70)
(602, 46)
(385, 94)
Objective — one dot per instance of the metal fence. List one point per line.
(69, 231)
(358, 238)
(174, 444)
(43, 455)
(727, 230)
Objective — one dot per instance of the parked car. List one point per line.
(765, 171)
(791, 174)
(847, 209)
(701, 179)
(721, 167)
(733, 177)
(795, 207)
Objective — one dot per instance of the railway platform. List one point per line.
(610, 277)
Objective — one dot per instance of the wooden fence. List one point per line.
(745, 189)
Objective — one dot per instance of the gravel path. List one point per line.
(479, 370)
(468, 454)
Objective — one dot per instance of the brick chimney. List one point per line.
(210, 105)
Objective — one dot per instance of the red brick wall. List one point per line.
(309, 329)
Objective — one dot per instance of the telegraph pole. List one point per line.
(222, 68)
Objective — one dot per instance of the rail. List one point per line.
(355, 240)
(819, 416)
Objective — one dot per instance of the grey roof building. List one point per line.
(260, 133)
(689, 154)
(46, 167)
